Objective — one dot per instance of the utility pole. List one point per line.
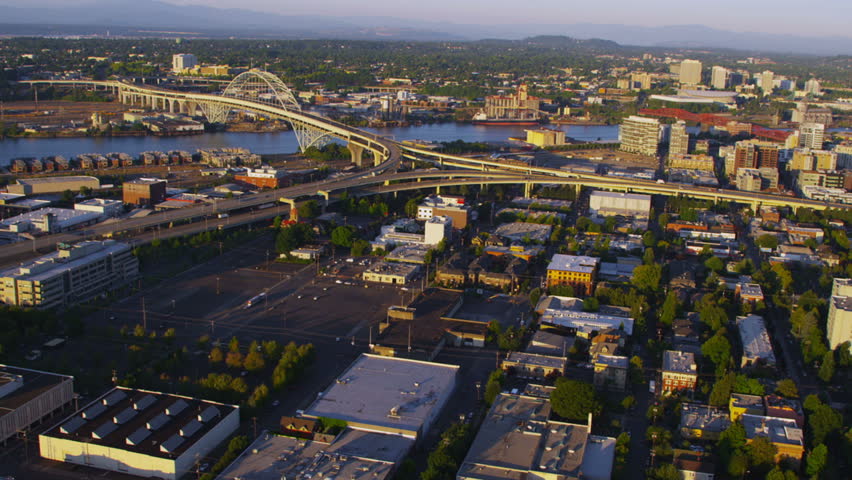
(144, 316)
(254, 424)
(217, 285)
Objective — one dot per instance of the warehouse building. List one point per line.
(140, 432)
(388, 395)
(37, 185)
(28, 396)
(49, 220)
(391, 272)
(144, 191)
(613, 203)
(72, 274)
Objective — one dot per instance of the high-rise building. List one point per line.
(640, 81)
(678, 139)
(811, 135)
(839, 325)
(736, 79)
(807, 159)
(690, 72)
(183, 61)
(719, 77)
(750, 154)
(640, 135)
(767, 78)
(812, 87)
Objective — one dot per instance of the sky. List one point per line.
(798, 17)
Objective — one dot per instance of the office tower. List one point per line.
(678, 139)
(690, 72)
(640, 81)
(640, 135)
(736, 79)
(767, 78)
(183, 61)
(719, 77)
(811, 135)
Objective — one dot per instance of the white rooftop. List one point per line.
(387, 394)
(755, 338)
(573, 263)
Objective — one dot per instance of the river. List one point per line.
(276, 142)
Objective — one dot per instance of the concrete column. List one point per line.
(294, 211)
(377, 158)
(528, 189)
(357, 153)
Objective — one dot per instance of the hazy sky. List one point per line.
(801, 17)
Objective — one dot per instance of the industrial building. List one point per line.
(565, 313)
(680, 371)
(28, 396)
(394, 273)
(755, 341)
(518, 107)
(604, 204)
(139, 432)
(49, 220)
(839, 324)
(518, 440)
(447, 206)
(640, 135)
(38, 185)
(577, 271)
(265, 177)
(144, 191)
(353, 455)
(102, 206)
(517, 232)
(387, 395)
(545, 137)
(72, 274)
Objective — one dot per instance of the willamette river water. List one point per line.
(277, 142)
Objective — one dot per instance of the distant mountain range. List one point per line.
(153, 17)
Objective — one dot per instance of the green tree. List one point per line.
(670, 309)
(494, 386)
(721, 392)
(216, 355)
(787, 388)
(309, 209)
(713, 316)
(591, 304)
(649, 239)
(535, 295)
(254, 361)
(648, 258)
(761, 453)
(139, 331)
(647, 277)
(234, 359)
(360, 247)
(718, 350)
(342, 236)
(817, 460)
(823, 421)
(785, 278)
(234, 345)
(715, 264)
(826, 370)
(666, 471)
(767, 240)
(573, 400)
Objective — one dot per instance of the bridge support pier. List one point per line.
(377, 158)
(357, 154)
(294, 211)
(528, 189)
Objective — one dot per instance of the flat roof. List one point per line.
(386, 392)
(392, 268)
(614, 361)
(144, 422)
(546, 361)
(778, 430)
(557, 311)
(44, 180)
(35, 382)
(755, 338)
(62, 215)
(703, 417)
(517, 438)
(573, 263)
(680, 362)
(49, 265)
(629, 196)
(355, 455)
